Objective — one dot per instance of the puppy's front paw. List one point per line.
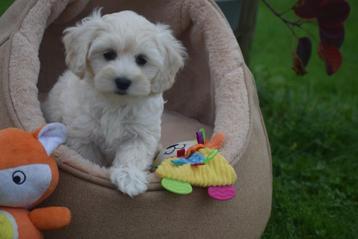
(131, 181)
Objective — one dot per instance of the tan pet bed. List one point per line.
(215, 90)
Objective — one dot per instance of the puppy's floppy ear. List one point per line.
(174, 56)
(77, 41)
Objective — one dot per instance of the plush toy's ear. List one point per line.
(51, 136)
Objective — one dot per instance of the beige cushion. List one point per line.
(215, 90)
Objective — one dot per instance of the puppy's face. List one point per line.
(124, 54)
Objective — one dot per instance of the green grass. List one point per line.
(4, 4)
(312, 123)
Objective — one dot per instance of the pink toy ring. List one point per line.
(222, 193)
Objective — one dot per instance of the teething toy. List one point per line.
(200, 165)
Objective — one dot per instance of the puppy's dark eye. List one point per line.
(110, 55)
(141, 60)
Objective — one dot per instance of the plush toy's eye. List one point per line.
(171, 149)
(18, 177)
(141, 60)
(110, 55)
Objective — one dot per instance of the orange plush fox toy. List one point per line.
(28, 175)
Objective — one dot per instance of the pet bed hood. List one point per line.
(211, 88)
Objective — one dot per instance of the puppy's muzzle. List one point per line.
(122, 84)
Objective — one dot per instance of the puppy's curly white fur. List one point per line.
(111, 97)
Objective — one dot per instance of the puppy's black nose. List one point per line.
(122, 83)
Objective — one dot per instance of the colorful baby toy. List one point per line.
(28, 175)
(200, 165)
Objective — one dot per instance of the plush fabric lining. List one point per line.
(213, 79)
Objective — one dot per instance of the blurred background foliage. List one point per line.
(312, 122)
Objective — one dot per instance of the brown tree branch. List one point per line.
(285, 20)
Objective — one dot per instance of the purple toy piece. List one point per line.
(200, 137)
(222, 193)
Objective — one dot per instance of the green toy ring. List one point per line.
(177, 187)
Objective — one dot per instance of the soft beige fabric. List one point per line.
(13, 17)
(160, 214)
(205, 33)
(214, 89)
(176, 128)
(179, 128)
(214, 95)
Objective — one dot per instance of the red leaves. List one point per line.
(331, 56)
(307, 9)
(330, 15)
(328, 12)
(332, 12)
(302, 56)
(333, 36)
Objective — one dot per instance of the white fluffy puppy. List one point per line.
(111, 97)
